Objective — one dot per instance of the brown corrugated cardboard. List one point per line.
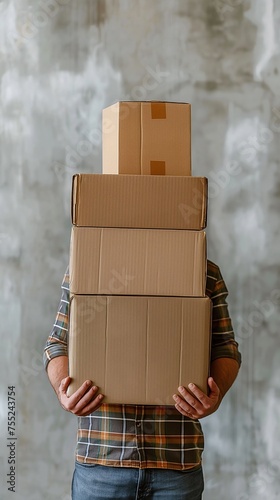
(140, 201)
(138, 350)
(147, 138)
(137, 261)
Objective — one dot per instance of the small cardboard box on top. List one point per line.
(138, 350)
(150, 138)
(139, 201)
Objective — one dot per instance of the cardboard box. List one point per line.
(137, 261)
(147, 138)
(138, 350)
(140, 201)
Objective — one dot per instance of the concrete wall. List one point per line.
(60, 65)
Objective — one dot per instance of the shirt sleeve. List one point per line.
(57, 342)
(224, 344)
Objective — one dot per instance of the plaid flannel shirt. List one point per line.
(145, 436)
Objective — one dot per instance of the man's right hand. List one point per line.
(83, 402)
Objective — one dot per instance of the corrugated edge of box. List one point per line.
(139, 201)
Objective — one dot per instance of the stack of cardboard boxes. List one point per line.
(139, 318)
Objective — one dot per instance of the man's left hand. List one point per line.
(198, 405)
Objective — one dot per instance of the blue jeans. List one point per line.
(99, 482)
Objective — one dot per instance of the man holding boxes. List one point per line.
(143, 313)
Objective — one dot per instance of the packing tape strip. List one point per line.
(158, 110)
(157, 167)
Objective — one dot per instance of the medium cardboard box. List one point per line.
(138, 350)
(137, 261)
(146, 138)
(140, 201)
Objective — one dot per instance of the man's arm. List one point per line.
(84, 401)
(57, 370)
(224, 371)
(225, 356)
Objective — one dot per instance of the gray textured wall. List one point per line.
(59, 68)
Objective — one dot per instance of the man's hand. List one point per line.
(83, 402)
(198, 405)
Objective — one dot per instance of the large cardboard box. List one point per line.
(138, 350)
(139, 201)
(147, 138)
(137, 261)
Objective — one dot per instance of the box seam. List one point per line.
(106, 351)
(100, 258)
(181, 343)
(146, 363)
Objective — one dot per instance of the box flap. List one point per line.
(75, 198)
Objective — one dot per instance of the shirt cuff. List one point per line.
(226, 352)
(53, 351)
